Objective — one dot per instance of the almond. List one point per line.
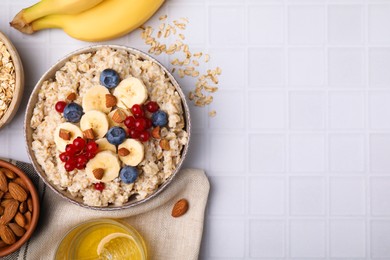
(7, 195)
(3, 182)
(1, 210)
(29, 205)
(156, 132)
(110, 100)
(64, 134)
(27, 215)
(98, 173)
(7, 235)
(20, 219)
(5, 202)
(22, 184)
(8, 173)
(72, 96)
(18, 230)
(164, 144)
(17, 192)
(88, 134)
(123, 152)
(10, 210)
(23, 207)
(180, 208)
(119, 116)
(1, 194)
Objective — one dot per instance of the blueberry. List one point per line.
(160, 118)
(109, 78)
(73, 112)
(116, 135)
(128, 174)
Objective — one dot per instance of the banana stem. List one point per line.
(50, 21)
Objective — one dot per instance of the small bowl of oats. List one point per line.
(11, 80)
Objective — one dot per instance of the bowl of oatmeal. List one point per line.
(11, 80)
(107, 127)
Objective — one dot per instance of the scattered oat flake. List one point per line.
(163, 17)
(212, 113)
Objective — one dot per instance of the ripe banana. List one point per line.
(136, 152)
(74, 132)
(48, 7)
(104, 145)
(107, 20)
(96, 120)
(130, 91)
(108, 162)
(95, 99)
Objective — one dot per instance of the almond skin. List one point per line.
(7, 235)
(18, 230)
(17, 192)
(110, 100)
(119, 116)
(20, 219)
(64, 134)
(123, 152)
(156, 132)
(180, 208)
(22, 184)
(10, 174)
(3, 182)
(10, 210)
(98, 173)
(28, 216)
(88, 134)
(29, 205)
(23, 207)
(72, 96)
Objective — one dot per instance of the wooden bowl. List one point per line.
(35, 214)
(19, 84)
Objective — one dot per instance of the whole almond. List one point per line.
(110, 100)
(23, 207)
(123, 152)
(7, 235)
(17, 192)
(88, 134)
(5, 202)
(156, 132)
(180, 208)
(20, 219)
(29, 205)
(3, 182)
(98, 173)
(27, 215)
(18, 230)
(10, 210)
(7, 195)
(72, 96)
(22, 184)
(8, 173)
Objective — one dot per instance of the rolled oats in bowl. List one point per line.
(107, 127)
(7, 79)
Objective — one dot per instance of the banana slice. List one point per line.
(116, 117)
(107, 162)
(96, 120)
(130, 91)
(95, 99)
(73, 132)
(104, 145)
(136, 152)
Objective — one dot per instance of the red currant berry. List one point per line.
(92, 147)
(137, 111)
(70, 165)
(148, 123)
(70, 150)
(140, 124)
(152, 106)
(79, 143)
(81, 159)
(64, 157)
(134, 133)
(144, 136)
(90, 155)
(130, 122)
(60, 106)
(99, 186)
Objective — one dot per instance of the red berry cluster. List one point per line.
(78, 153)
(138, 124)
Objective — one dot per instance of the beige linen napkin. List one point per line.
(166, 237)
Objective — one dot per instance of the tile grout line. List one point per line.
(326, 136)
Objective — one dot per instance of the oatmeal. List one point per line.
(7, 79)
(109, 126)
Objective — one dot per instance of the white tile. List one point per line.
(346, 110)
(306, 67)
(306, 24)
(347, 238)
(347, 196)
(346, 152)
(267, 153)
(233, 63)
(307, 195)
(36, 58)
(379, 66)
(379, 151)
(267, 109)
(15, 140)
(307, 153)
(265, 24)
(378, 23)
(266, 238)
(345, 24)
(222, 200)
(266, 67)
(380, 237)
(225, 113)
(379, 109)
(380, 196)
(196, 152)
(226, 25)
(228, 238)
(307, 110)
(4, 132)
(266, 195)
(307, 238)
(346, 66)
(233, 147)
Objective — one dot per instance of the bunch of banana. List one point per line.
(87, 20)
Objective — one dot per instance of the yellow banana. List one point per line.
(48, 7)
(108, 20)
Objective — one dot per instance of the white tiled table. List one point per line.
(299, 153)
